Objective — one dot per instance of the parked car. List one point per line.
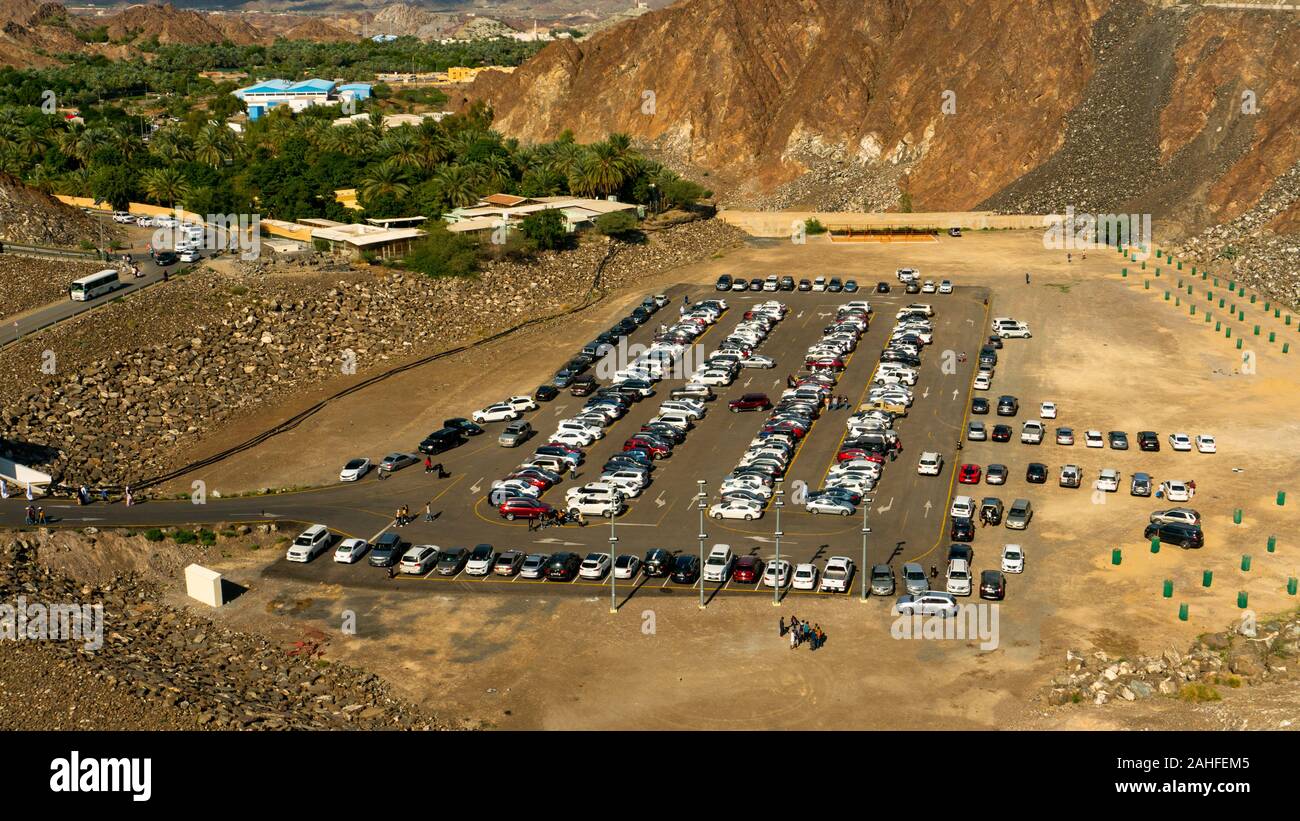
(914, 579)
(750, 401)
(1047, 410)
(932, 603)
(1184, 515)
(805, 576)
(686, 568)
(1019, 514)
(1206, 444)
(481, 559)
(451, 561)
(959, 578)
(838, 574)
(1008, 405)
(996, 474)
(1065, 436)
(397, 461)
(658, 562)
(350, 551)
(1118, 440)
(1176, 533)
(882, 580)
(508, 563)
(1107, 480)
(1013, 559)
(1148, 440)
(418, 559)
(717, 567)
(777, 573)
(1036, 473)
(993, 585)
(1071, 476)
(354, 470)
(534, 565)
(562, 567)
(515, 434)
(387, 550)
(626, 566)
(595, 566)
(309, 544)
(1176, 491)
(1140, 485)
(1180, 441)
(747, 570)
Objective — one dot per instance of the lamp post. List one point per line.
(613, 541)
(866, 505)
(700, 505)
(776, 574)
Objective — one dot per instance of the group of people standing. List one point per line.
(801, 632)
(35, 515)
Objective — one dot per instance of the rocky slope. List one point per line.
(31, 217)
(149, 382)
(1106, 105)
(162, 667)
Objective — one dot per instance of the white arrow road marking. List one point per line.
(477, 486)
(954, 394)
(659, 500)
(926, 395)
(766, 540)
(796, 316)
(557, 541)
(747, 381)
(824, 315)
(257, 515)
(559, 409)
(82, 518)
(887, 507)
(970, 321)
(927, 510)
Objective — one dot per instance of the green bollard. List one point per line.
(1238, 343)
(1291, 585)
(1281, 498)
(1155, 544)
(1242, 599)
(1227, 332)
(1166, 296)
(1146, 284)
(1182, 612)
(1245, 562)
(1252, 299)
(1256, 330)
(1180, 265)
(1236, 516)
(1272, 337)
(1178, 301)
(1272, 544)
(1123, 272)
(1207, 316)
(1191, 309)
(1286, 347)
(1207, 578)
(1218, 326)
(1241, 316)
(1169, 589)
(1277, 313)
(1288, 319)
(1116, 556)
(1221, 303)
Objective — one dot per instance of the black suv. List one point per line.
(1183, 535)
(658, 562)
(463, 425)
(686, 569)
(442, 440)
(1036, 473)
(724, 283)
(387, 550)
(1148, 440)
(963, 530)
(563, 567)
(961, 551)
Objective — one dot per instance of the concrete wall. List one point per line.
(778, 223)
(139, 209)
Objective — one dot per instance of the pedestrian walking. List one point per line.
(130, 499)
(794, 637)
(821, 635)
(29, 515)
(397, 517)
(1026, 277)
(442, 474)
(1069, 257)
(428, 465)
(428, 511)
(40, 515)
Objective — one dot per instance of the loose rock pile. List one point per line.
(1247, 251)
(196, 672)
(1229, 658)
(117, 418)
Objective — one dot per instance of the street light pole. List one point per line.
(613, 541)
(776, 574)
(866, 505)
(700, 504)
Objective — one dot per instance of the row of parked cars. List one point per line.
(773, 283)
(626, 474)
(745, 491)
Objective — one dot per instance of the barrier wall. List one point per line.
(779, 223)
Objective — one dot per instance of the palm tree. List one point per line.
(457, 185)
(601, 171)
(383, 179)
(563, 158)
(165, 185)
(212, 145)
(401, 147)
(31, 142)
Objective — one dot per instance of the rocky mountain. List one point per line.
(1184, 111)
(170, 25)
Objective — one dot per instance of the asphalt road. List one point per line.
(907, 518)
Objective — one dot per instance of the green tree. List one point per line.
(618, 224)
(545, 230)
(443, 254)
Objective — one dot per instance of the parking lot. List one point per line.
(907, 517)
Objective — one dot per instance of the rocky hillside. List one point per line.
(1023, 105)
(162, 667)
(149, 383)
(32, 217)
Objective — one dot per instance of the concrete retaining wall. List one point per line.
(779, 223)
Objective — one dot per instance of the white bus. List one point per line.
(95, 285)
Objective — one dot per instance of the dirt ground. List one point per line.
(1112, 355)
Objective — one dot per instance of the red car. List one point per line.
(655, 450)
(851, 453)
(749, 402)
(532, 479)
(748, 569)
(512, 509)
(826, 363)
(969, 474)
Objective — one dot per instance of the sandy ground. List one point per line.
(1111, 354)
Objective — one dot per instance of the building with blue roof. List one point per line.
(264, 95)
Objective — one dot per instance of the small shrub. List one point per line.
(813, 226)
(153, 534)
(1197, 692)
(184, 536)
(206, 536)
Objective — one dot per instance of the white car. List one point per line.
(481, 561)
(627, 566)
(963, 507)
(1176, 491)
(1094, 439)
(595, 566)
(945, 287)
(838, 575)
(1180, 441)
(805, 577)
(1108, 480)
(595, 506)
(573, 438)
(717, 567)
(826, 504)
(1013, 559)
(597, 490)
(309, 543)
(122, 217)
(500, 412)
(354, 470)
(419, 559)
(522, 403)
(929, 287)
(777, 573)
(982, 380)
(1047, 410)
(958, 578)
(914, 308)
(1031, 432)
(819, 284)
(190, 255)
(930, 464)
(1020, 331)
(629, 482)
(758, 361)
(350, 550)
(736, 509)
(592, 429)
(714, 378)
(1206, 444)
